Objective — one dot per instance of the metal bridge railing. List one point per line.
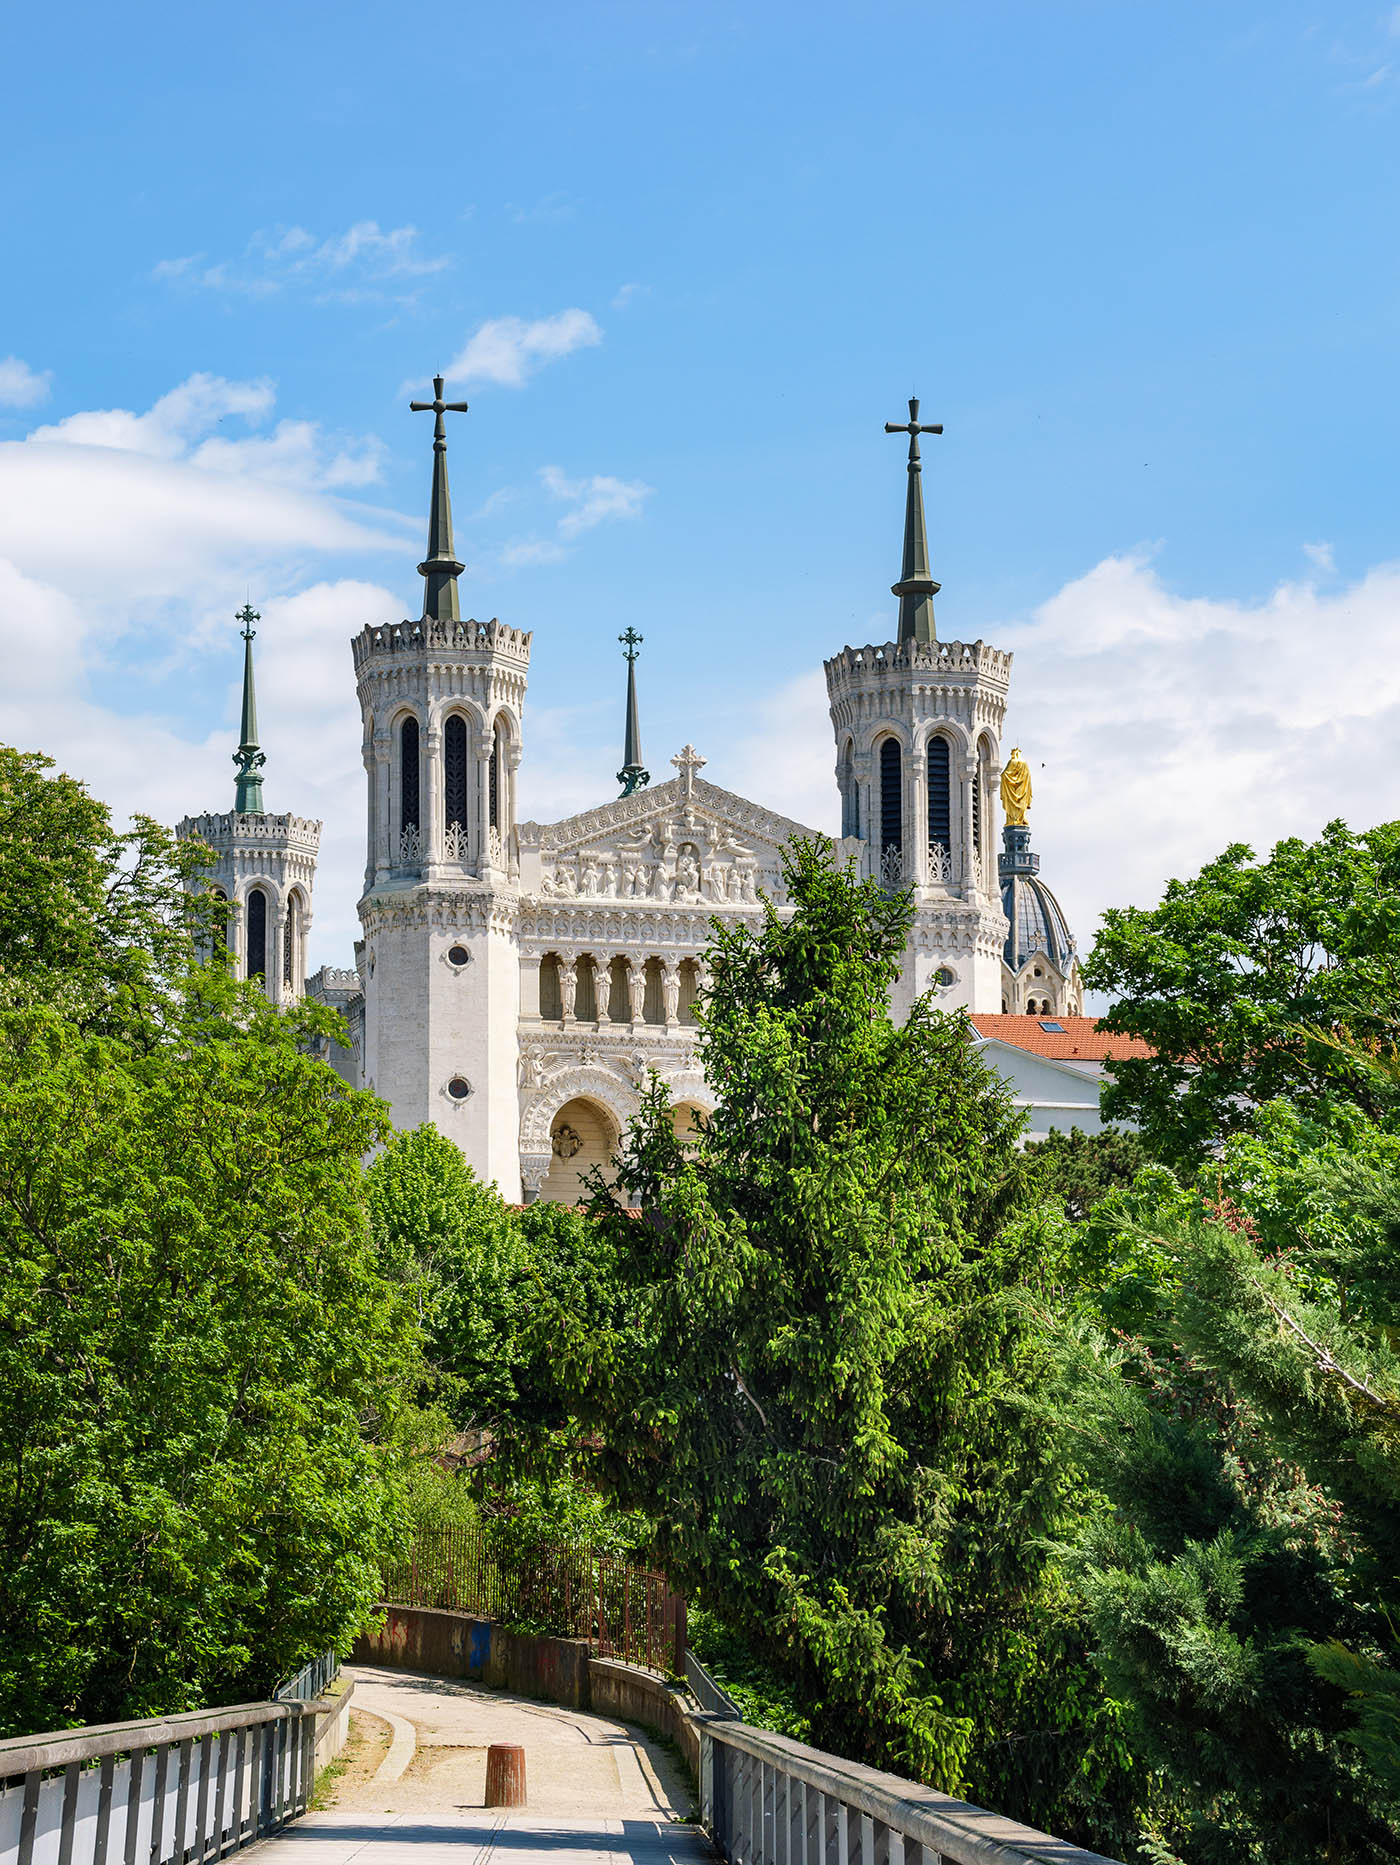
(768, 1800)
(314, 1679)
(712, 1697)
(171, 1790)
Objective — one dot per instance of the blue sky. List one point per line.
(1140, 259)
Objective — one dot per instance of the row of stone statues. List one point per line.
(629, 877)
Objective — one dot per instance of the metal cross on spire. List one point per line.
(916, 588)
(633, 775)
(248, 797)
(440, 567)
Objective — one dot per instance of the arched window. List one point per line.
(454, 772)
(551, 997)
(257, 934)
(408, 776)
(850, 796)
(586, 1003)
(690, 990)
(891, 795)
(654, 1002)
(977, 784)
(939, 794)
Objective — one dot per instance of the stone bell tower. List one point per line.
(441, 700)
(918, 759)
(264, 865)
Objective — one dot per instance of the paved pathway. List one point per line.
(599, 1793)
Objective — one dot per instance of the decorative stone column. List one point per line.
(483, 808)
(383, 814)
(529, 986)
(671, 991)
(533, 1169)
(602, 989)
(432, 800)
(969, 867)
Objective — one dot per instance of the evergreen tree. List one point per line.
(1246, 1429)
(815, 1382)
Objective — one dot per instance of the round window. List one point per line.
(945, 977)
(458, 955)
(459, 1087)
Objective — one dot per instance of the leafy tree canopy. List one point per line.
(1224, 976)
(203, 1376)
(813, 1381)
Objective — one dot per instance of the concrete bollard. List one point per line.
(505, 1775)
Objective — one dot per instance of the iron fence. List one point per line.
(623, 1611)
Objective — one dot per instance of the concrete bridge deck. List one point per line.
(412, 1792)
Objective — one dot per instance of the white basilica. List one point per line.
(516, 982)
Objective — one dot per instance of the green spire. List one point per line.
(916, 588)
(440, 567)
(632, 776)
(248, 799)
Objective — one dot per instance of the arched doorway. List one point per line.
(582, 1135)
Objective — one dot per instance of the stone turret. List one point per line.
(264, 865)
(442, 702)
(918, 758)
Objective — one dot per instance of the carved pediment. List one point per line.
(684, 841)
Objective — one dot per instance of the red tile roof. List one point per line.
(1082, 1041)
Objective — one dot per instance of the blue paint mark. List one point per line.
(480, 1649)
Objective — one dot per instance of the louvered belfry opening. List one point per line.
(891, 795)
(257, 934)
(940, 793)
(408, 776)
(454, 771)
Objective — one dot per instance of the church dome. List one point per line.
(1035, 919)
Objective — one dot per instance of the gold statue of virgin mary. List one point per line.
(1016, 789)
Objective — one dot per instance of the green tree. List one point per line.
(1246, 1429)
(1222, 977)
(476, 1272)
(95, 923)
(1080, 1168)
(203, 1376)
(814, 1384)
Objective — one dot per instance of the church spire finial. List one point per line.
(632, 776)
(440, 567)
(916, 588)
(248, 798)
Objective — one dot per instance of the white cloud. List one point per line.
(594, 499)
(21, 386)
(139, 506)
(1320, 557)
(520, 553)
(281, 256)
(508, 350)
(167, 427)
(625, 295)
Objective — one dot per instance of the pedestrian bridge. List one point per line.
(409, 1790)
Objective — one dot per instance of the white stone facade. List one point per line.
(517, 984)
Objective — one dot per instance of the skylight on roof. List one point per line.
(1054, 1029)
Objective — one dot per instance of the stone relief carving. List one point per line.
(566, 1143)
